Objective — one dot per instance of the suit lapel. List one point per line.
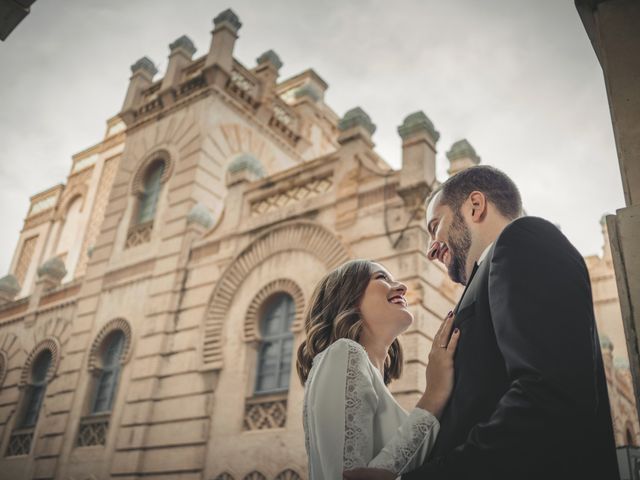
(473, 273)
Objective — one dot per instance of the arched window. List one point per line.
(150, 192)
(35, 391)
(109, 373)
(36, 386)
(276, 347)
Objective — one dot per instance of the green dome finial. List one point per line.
(229, 17)
(145, 65)
(356, 117)
(185, 43)
(9, 285)
(417, 122)
(200, 214)
(462, 149)
(247, 162)
(271, 57)
(53, 267)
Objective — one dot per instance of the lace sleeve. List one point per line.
(343, 407)
(411, 444)
(342, 404)
(412, 441)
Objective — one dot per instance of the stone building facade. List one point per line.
(154, 302)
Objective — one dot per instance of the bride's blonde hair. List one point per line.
(333, 312)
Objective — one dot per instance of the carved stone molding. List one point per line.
(137, 184)
(299, 236)
(51, 344)
(68, 197)
(110, 327)
(252, 320)
(310, 189)
(265, 413)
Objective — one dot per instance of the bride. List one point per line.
(350, 354)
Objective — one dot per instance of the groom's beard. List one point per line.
(459, 243)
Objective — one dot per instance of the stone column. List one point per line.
(269, 64)
(182, 50)
(355, 129)
(219, 62)
(613, 28)
(461, 156)
(142, 77)
(418, 174)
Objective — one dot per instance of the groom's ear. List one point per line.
(478, 206)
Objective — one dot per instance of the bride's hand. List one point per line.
(440, 368)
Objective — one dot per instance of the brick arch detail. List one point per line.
(53, 345)
(110, 327)
(301, 235)
(137, 184)
(283, 285)
(78, 190)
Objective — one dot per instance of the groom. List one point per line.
(530, 396)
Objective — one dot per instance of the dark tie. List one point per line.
(473, 272)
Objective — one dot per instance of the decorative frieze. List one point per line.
(139, 234)
(93, 431)
(241, 88)
(310, 189)
(260, 414)
(20, 442)
(192, 84)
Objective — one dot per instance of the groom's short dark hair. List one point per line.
(496, 185)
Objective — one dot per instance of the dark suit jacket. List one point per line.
(530, 397)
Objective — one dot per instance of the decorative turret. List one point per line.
(418, 175)
(142, 73)
(181, 52)
(461, 156)
(223, 39)
(270, 57)
(51, 273)
(269, 64)
(244, 168)
(200, 215)
(356, 125)
(9, 288)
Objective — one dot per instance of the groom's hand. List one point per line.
(369, 474)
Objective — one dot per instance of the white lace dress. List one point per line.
(351, 419)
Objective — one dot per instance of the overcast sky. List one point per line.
(517, 78)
